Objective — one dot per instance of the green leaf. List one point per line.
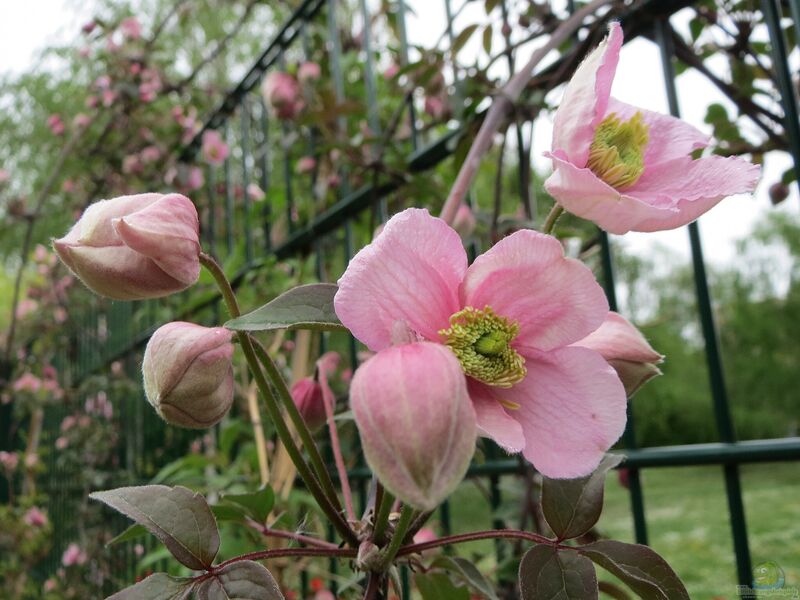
(131, 533)
(468, 572)
(257, 505)
(572, 506)
(177, 516)
(462, 38)
(241, 580)
(487, 38)
(437, 586)
(304, 307)
(226, 512)
(639, 567)
(158, 586)
(547, 573)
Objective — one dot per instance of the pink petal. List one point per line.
(617, 338)
(689, 188)
(584, 194)
(168, 232)
(493, 419)
(411, 272)
(585, 99)
(120, 273)
(96, 222)
(572, 408)
(669, 137)
(525, 277)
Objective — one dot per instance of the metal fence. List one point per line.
(237, 224)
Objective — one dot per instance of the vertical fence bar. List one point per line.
(229, 206)
(248, 227)
(780, 63)
(401, 24)
(629, 436)
(663, 34)
(264, 164)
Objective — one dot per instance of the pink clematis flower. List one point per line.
(131, 28)
(510, 318)
(214, 149)
(630, 169)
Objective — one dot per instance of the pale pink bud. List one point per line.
(214, 149)
(391, 71)
(135, 247)
(49, 585)
(4, 176)
(62, 443)
(81, 120)
(426, 534)
(68, 186)
(255, 193)
(282, 92)
(150, 154)
(35, 517)
(416, 420)
(92, 101)
(194, 178)
(464, 222)
(306, 165)
(28, 383)
(84, 51)
(55, 124)
(108, 97)
(31, 460)
(307, 396)
(624, 348)
(436, 107)
(188, 374)
(308, 71)
(131, 28)
(88, 27)
(73, 555)
(9, 460)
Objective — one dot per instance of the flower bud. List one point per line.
(282, 92)
(416, 421)
(624, 348)
(308, 71)
(307, 396)
(135, 247)
(188, 374)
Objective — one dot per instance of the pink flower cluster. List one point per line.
(214, 149)
(74, 555)
(9, 461)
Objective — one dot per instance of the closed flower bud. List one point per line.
(624, 348)
(307, 396)
(282, 92)
(188, 374)
(135, 247)
(416, 421)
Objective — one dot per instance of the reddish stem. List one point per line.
(290, 535)
(477, 535)
(288, 553)
(503, 102)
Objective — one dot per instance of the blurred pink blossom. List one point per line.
(61, 443)
(308, 71)
(108, 97)
(60, 314)
(31, 460)
(282, 92)
(306, 164)
(35, 517)
(49, 585)
(131, 28)
(73, 555)
(55, 124)
(150, 154)
(88, 27)
(9, 460)
(81, 120)
(214, 149)
(68, 186)
(28, 383)
(391, 71)
(4, 176)
(92, 101)
(84, 51)
(195, 178)
(255, 193)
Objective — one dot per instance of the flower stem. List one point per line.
(406, 516)
(290, 552)
(478, 535)
(382, 515)
(272, 406)
(552, 217)
(299, 424)
(336, 447)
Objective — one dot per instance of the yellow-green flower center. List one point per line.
(617, 152)
(481, 340)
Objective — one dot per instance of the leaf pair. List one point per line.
(571, 508)
(184, 522)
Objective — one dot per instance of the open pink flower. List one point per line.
(629, 169)
(510, 318)
(214, 149)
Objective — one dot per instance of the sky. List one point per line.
(26, 27)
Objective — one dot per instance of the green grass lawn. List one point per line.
(687, 518)
(688, 524)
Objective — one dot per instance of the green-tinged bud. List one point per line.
(617, 152)
(481, 341)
